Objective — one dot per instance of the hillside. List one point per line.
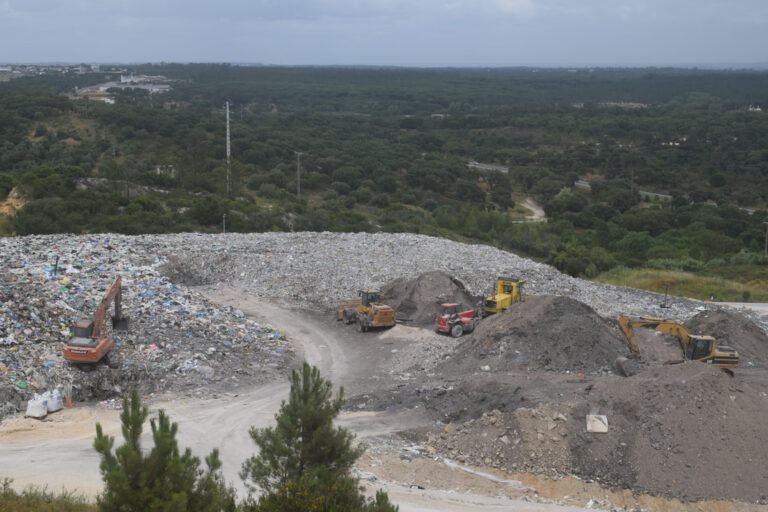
(387, 150)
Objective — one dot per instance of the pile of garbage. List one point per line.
(177, 340)
(320, 269)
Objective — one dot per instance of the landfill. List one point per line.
(177, 341)
(180, 341)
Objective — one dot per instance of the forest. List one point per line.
(386, 149)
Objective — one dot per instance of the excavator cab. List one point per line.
(368, 297)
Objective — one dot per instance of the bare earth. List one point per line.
(58, 451)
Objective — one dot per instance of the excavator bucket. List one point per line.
(120, 324)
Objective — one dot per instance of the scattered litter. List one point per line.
(597, 423)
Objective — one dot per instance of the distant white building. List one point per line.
(166, 170)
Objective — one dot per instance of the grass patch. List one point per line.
(39, 499)
(687, 284)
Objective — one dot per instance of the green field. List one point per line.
(687, 284)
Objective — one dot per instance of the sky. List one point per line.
(430, 33)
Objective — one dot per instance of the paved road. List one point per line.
(760, 307)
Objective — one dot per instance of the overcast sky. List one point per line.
(388, 32)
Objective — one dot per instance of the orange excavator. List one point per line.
(90, 343)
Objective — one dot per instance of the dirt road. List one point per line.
(538, 214)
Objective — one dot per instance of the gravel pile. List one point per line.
(419, 300)
(543, 333)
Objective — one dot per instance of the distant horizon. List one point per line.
(712, 66)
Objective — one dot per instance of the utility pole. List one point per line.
(666, 294)
(224, 223)
(229, 155)
(766, 238)
(298, 173)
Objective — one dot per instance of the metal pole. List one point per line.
(224, 223)
(298, 174)
(229, 161)
(766, 238)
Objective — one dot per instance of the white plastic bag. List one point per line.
(54, 399)
(37, 407)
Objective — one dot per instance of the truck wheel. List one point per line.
(457, 330)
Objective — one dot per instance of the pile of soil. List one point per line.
(735, 330)
(418, 300)
(686, 431)
(543, 333)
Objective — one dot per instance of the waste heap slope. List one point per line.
(543, 333)
(418, 300)
(733, 329)
(320, 269)
(177, 340)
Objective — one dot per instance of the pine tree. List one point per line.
(164, 480)
(304, 462)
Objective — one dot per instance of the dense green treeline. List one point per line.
(386, 149)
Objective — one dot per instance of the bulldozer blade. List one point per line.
(120, 324)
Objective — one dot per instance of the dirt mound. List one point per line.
(735, 330)
(685, 431)
(547, 333)
(419, 299)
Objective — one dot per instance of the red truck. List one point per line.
(456, 320)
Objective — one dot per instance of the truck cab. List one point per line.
(508, 291)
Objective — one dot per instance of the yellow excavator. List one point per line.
(508, 291)
(695, 347)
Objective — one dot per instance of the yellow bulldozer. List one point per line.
(695, 347)
(367, 311)
(508, 292)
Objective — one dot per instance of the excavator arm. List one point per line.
(627, 323)
(629, 336)
(695, 347)
(99, 320)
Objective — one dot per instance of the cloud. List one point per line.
(516, 7)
